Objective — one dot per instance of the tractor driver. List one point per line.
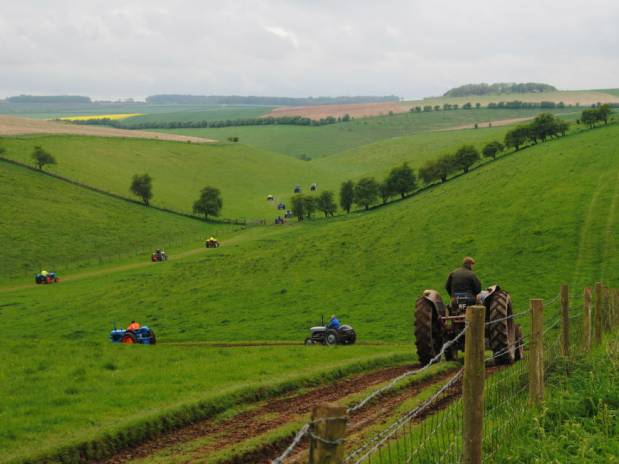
(333, 323)
(463, 282)
(133, 326)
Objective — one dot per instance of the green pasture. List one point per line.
(245, 175)
(79, 387)
(533, 220)
(212, 113)
(320, 141)
(51, 224)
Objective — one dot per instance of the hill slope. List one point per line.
(55, 224)
(543, 216)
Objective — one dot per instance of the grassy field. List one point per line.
(579, 421)
(215, 113)
(55, 224)
(110, 163)
(543, 216)
(318, 142)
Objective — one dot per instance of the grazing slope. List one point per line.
(53, 224)
(543, 216)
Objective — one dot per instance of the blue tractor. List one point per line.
(143, 336)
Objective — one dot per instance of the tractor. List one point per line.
(322, 335)
(45, 277)
(143, 336)
(436, 324)
(212, 243)
(158, 255)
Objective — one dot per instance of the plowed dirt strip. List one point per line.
(269, 416)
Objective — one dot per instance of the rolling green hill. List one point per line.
(540, 217)
(318, 142)
(245, 175)
(56, 225)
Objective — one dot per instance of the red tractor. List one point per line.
(436, 323)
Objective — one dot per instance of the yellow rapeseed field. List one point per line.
(100, 116)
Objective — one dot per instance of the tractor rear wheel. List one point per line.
(129, 338)
(153, 338)
(502, 333)
(428, 332)
(331, 337)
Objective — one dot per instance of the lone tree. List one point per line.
(298, 206)
(326, 203)
(142, 186)
(347, 195)
(466, 156)
(210, 202)
(492, 149)
(401, 180)
(42, 157)
(366, 192)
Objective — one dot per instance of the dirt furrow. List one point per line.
(258, 420)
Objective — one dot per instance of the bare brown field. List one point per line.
(10, 125)
(359, 110)
(356, 110)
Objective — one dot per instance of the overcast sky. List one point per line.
(410, 48)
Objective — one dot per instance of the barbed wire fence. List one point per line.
(431, 431)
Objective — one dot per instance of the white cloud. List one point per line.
(110, 48)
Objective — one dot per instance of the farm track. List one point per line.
(247, 424)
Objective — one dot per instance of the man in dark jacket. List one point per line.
(463, 282)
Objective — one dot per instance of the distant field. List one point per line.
(55, 110)
(317, 142)
(112, 117)
(10, 125)
(572, 97)
(220, 113)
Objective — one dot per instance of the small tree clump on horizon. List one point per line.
(142, 186)
(41, 157)
(209, 203)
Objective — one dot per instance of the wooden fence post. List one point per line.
(327, 434)
(597, 315)
(536, 357)
(565, 321)
(586, 321)
(473, 386)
